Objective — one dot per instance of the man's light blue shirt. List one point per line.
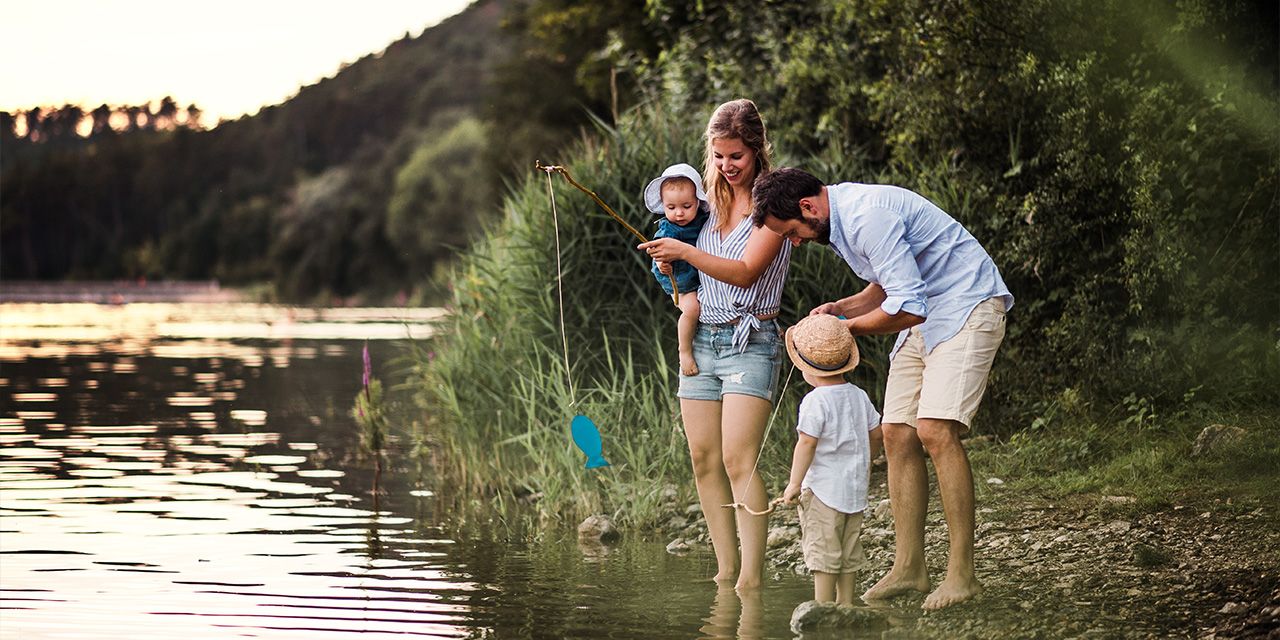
(928, 264)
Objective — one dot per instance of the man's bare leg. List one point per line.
(941, 438)
(909, 496)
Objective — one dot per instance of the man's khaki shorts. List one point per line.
(829, 539)
(947, 383)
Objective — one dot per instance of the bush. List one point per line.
(1117, 160)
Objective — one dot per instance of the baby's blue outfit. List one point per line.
(686, 275)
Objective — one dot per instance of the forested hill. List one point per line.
(329, 192)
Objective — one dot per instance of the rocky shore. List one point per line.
(1087, 567)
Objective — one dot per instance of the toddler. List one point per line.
(678, 195)
(839, 435)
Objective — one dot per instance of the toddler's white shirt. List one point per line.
(839, 416)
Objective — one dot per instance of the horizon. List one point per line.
(229, 63)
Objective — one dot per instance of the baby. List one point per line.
(839, 435)
(678, 195)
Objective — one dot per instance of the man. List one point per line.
(930, 281)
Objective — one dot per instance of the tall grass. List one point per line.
(497, 396)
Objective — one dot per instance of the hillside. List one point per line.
(297, 194)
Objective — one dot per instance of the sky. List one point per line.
(229, 57)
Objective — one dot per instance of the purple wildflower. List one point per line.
(368, 367)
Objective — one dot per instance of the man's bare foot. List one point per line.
(688, 365)
(745, 582)
(896, 583)
(724, 577)
(952, 591)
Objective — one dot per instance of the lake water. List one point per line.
(191, 471)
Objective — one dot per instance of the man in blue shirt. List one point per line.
(931, 282)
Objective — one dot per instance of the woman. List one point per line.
(727, 404)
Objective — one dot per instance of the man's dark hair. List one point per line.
(778, 194)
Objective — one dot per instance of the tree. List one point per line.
(101, 120)
(437, 201)
(166, 115)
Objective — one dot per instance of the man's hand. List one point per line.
(830, 308)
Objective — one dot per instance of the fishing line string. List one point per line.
(763, 439)
(564, 339)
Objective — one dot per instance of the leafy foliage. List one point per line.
(1118, 160)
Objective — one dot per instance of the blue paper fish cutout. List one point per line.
(587, 437)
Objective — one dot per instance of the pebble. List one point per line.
(598, 527)
(1233, 608)
(779, 536)
(882, 510)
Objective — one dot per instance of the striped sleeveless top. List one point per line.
(723, 303)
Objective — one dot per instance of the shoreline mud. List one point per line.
(1088, 566)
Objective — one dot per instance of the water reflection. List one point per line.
(197, 487)
(736, 615)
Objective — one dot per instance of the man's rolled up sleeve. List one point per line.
(884, 236)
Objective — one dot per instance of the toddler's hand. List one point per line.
(664, 267)
(791, 494)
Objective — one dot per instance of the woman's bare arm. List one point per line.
(762, 247)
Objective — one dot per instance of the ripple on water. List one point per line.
(251, 417)
(189, 401)
(34, 397)
(141, 475)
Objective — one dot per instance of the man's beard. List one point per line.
(823, 230)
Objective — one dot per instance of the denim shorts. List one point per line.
(721, 369)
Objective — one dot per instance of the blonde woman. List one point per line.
(726, 406)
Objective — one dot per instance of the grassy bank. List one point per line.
(1148, 458)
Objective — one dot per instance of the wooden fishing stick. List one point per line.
(555, 168)
(773, 504)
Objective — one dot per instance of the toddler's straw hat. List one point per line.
(822, 346)
(653, 190)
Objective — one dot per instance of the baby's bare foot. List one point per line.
(688, 365)
(896, 583)
(952, 591)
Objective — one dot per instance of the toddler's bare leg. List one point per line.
(824, 586)
(844, 588)
(690, 309)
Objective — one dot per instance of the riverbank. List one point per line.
(1187, 547)
(1069, 569)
